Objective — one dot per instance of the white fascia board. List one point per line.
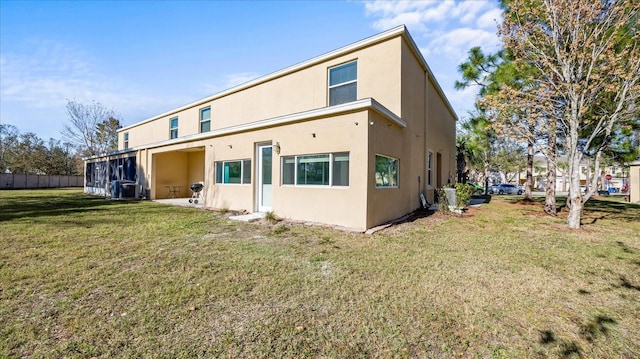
(364, 104)
(398, 30)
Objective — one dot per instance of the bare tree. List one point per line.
(9, 137)
(587, 58)
(91, 128)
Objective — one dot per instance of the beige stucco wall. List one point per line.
(302, 90)
(388, 71)
(634, 183)
(441, 137)
(344, 206)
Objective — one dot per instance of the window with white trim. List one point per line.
(387, 171)
(205, 119)
(173, 128)
(126, 140)
(233, 172)
(326, 169)
(343, 83)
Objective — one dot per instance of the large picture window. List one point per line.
(328, 169)
(233, 172)
(205, 119)
(387, 171)
(343, 83)
(173, 128)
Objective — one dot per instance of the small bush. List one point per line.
(280, 229)
(463, 196)
(271, 217)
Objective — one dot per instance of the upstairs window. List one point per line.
(205, 119)
(173, 128)
(126, 140)
(343, 83)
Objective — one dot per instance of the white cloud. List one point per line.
(57, 73)
(456, 43)
(444, 31)
(490, 19)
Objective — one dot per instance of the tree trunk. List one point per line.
(574, 199)
(528, 195)
(550, 195)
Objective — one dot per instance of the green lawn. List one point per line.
(83, 276)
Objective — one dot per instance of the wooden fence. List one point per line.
(16, 181)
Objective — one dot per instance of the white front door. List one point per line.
(263, 173)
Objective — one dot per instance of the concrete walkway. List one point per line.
(184, 202)
(249, 217)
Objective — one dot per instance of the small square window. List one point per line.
(387, 171)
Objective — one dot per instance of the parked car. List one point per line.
(493, 189)
(477, 189)
(506, 188)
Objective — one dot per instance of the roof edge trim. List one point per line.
(398, 30)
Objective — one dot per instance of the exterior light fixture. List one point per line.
(276, 147)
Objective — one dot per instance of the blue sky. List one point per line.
(142, 58)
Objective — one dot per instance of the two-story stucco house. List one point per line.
(349, 138)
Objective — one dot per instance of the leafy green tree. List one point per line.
(489, 72)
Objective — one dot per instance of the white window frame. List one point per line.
(295, 171)
(329, 86)
(242, 174)
(171, 128)
(397, 174)
(201, 121)
(126, 140)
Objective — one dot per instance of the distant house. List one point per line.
(349, 138)
(616, 183)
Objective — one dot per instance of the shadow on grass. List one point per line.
(567, 348)
(590, 331)
(609, 209)
(17, 205)
(596, 209)
(415, 215)
(596, 327)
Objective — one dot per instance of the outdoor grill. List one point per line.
(196, 189)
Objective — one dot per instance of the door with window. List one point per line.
(264, 168)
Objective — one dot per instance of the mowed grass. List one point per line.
(84, 277)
